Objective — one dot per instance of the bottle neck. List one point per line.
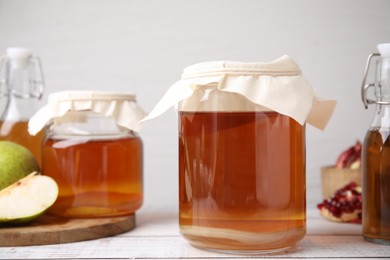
(383, 80)
(382, 117)
(19, 82)
(21, 75)
(18, 109)
(382, 93)
(20, 102)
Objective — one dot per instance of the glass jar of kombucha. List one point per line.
(376, 153)
(241, 180)
(21, 88)
(242, 154)
(92, 150)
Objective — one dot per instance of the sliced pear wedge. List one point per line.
(27, 198)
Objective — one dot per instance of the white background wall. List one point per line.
(142, 47)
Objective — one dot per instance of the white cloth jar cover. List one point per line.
(121, 107)
(277, 86)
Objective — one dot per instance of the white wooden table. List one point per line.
(157, 237)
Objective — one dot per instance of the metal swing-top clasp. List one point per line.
(365, 87)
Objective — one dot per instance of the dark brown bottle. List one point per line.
(376, 154)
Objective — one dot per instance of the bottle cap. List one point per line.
(384, 49)
(19, 57)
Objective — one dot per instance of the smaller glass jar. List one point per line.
(96, 160)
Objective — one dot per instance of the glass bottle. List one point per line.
(376, 152)
(21, 87)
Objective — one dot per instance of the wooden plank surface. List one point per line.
(175, 247)
(157, 237)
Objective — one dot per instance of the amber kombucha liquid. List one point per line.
(241, 180)
(96, 178)
(376, 186)
(17, 132)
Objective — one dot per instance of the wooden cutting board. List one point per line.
(53, 230)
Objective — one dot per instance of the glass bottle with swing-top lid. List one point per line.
(21, 88)
(376, 151)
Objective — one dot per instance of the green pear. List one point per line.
(16, 162)
(27, 198)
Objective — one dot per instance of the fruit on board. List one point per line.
(16, 162)
(345, 205)
(350, 158)
(27, 198)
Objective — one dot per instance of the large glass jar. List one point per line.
(242, 154)
(97, 163)
(241, 180)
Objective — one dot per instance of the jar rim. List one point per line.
(85, 95)
(238, 68)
